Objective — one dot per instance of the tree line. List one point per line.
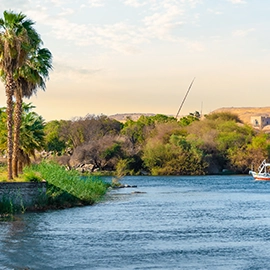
(156, 145)
(159, 145)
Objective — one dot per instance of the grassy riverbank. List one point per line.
(64, 188)
(67, 187)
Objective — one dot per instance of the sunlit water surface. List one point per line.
(203, 222)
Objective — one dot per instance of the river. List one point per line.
(201, 222)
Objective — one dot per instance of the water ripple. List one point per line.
(216, 222)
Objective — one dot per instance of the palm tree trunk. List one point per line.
(22, 160)
(10, 86)
(17, 125)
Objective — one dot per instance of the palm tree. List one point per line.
(17, 37)
(32, 135)
(31, 76)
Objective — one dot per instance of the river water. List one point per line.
(202, 222)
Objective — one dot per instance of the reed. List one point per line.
(67, 188)
(8, 207)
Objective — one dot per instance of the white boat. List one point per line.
(263, 172)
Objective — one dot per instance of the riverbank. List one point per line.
(63, 189)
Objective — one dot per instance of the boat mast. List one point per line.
(184, 98)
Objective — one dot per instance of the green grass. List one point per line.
(4, 175)
(66, 188)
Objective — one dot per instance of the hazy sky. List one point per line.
(128, 56)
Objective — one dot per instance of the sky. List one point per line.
(140, 56)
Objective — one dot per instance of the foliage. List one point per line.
(102, 153)
(178, 157)
(187, 120)
(122, 168)
(31, 134)
(261, 142)
(161, 145)
(232, 135)
(24, 67)
(161, 118)
(64, 189)
(250, 154)
(135, 131)
(139, 131)
(32, 176)
(129, 166)
(86, 129)
(68, 188)
(223, 116)
(28, 78)
(53, 140)
(112, 151)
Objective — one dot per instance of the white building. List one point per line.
(260, 121)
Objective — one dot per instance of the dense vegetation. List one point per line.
(158, 145)
(31, 134)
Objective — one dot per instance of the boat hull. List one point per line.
(260, 176)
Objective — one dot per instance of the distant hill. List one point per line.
(244, 113)
(122, 117)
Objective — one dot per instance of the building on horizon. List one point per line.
(260, 121)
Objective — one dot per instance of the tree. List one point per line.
(102, 153)
(168, 152)
(17, 36)
(187, 120)
(53, 140)
(31, 76)
(250, 154)
(138, 131)
(134, 131)
(31, 133)
(31, 137)
(89, 128)
(176, 157)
